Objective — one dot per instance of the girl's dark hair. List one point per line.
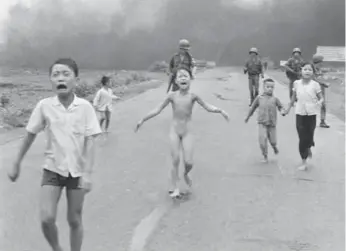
(311, 64)
(69, 62)
(104, 80)
(186, 69)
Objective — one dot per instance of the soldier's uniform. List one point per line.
(316, 60)
(180, 60)
(295, 64)
(253, 67)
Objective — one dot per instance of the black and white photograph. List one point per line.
(172, 125)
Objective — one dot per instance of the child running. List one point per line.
(103, 102)
(71, 126)
(180, 137)
(309, 98)
(267, 104)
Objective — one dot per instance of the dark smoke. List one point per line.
(106, 38)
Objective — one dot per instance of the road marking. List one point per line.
(146, 227)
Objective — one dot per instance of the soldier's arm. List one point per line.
(287, 66)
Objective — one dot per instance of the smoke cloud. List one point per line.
(134, 33)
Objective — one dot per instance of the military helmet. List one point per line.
(184, 44)
(317, 58)
(253, 50)
(296, 50)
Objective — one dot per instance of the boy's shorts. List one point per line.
(101, 115)
(50, 178)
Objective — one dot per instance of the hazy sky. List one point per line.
(143, 13)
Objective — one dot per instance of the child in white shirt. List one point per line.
(103, 102)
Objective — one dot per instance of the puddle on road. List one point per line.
(222, 97)
(228, 89)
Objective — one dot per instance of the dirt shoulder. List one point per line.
(24, 89)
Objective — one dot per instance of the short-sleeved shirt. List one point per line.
(295, 64)
(254, 66)
(181, 60)
(267, 109)
(307, 97)
(104, 99)
(66, 130)
(318, 77)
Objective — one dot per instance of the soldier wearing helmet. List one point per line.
(317, 60)
(293, 68)
(181, 59)
(253, 67)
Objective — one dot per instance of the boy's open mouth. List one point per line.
(183, 83)
(61, 87)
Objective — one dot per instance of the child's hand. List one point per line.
(13, 173)
(320, 102)
(85, 182)
(139, 124)
(224, 114)
(246, 119)
(262, 76)
(283, 112)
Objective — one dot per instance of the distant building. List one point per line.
(332, 53)
(333, 56)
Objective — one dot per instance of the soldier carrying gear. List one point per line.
(181, 59)
(293, 68)
(253, 67)
(317, 60)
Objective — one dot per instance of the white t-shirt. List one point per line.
(103, 99)
(307, 97)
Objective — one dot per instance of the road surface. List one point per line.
(238, 203)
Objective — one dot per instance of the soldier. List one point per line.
(181, 59)
(317, 60)
(253, 67)
(293, 68)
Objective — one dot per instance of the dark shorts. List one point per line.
(50, 178)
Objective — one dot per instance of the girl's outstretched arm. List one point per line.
(210, 108)
(154, 112)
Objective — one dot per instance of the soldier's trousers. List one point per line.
(324, 106)
(253, 86)
(290, 86)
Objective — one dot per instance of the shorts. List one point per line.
(101, 115)
(50, 178)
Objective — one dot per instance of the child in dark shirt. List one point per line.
(267, 117)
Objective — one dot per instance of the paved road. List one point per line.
(238, 203)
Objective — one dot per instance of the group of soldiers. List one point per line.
(254, 67)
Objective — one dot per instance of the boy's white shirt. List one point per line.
(103, 99)
(66, 130)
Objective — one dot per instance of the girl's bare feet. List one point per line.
(304, 166)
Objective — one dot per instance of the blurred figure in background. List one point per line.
(103, 102)
(293, 68)
(181, 59)
(317, 61)
(253, 67)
